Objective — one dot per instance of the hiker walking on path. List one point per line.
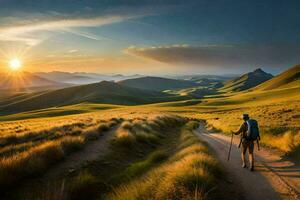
(249, 133)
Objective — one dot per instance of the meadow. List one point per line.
(146, 149)
(152, 145)
(189, 172)
(277, 112)
(152, 151)
(28, 151)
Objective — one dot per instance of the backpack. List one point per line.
(253, 131)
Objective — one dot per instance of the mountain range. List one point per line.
(157, 83)
(80, 78)
(104, 92)
(135, 91)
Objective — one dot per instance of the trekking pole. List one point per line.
(230, 147)
(241, 140)
(257, 145)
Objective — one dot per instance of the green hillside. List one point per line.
(246, 81)
(11, 96)
(287, 79)
(157, 83)
(103, 92)
(212, 81)
(59, 111)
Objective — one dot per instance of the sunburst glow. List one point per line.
(15, 64)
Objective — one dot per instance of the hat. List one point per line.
(245, 116)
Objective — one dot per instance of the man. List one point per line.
(249, 133)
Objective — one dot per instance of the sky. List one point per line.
(150, 37)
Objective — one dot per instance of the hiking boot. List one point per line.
(252, 168)
(244, 165)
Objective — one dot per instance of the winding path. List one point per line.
(272, 179)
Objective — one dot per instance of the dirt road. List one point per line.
(272, 179)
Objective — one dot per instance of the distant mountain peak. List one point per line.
(248, 80)
(260, 73)
(259, 70)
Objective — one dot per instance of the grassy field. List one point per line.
(276, 110)
(104, 92)
(28, 151)
(59, 111)
(152, 157)
(146, 150)
(153, 153)
(188, 172)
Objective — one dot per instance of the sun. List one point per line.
(15, 64)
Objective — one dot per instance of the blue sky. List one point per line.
(151, 37)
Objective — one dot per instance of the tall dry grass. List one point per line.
(288, 142)
(31, 154)
(145, 130)
(52, 133)
(181, 169)
(285, 139)
(36, 160)
(190, 173)
(132, 132)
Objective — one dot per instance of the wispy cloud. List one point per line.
(220, 56)
(83, 34)
(22, 33)
(73, 51)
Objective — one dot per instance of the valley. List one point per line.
(63, 134)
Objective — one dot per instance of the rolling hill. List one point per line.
(157, 83)
(104, 92)
(246, 81)
(287, 79)
(22, 80)
(199, 77)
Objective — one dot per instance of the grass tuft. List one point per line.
(36, 160)
(124, 139)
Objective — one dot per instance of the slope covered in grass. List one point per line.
(157, 83)
(190, 172)
(9, 96)
(287, 79)
(152, 158)
(31, 153)
(103, 92)
(246, 81)
(59, 111)
(277, 111)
